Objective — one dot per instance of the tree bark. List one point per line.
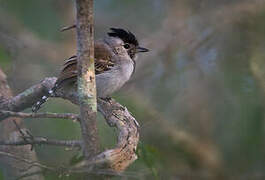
(13, 168)
(115, 160)
(86, 77)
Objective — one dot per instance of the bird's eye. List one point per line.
(126, 46)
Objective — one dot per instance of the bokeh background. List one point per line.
(198, 95)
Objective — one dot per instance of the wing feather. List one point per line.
(103, 63)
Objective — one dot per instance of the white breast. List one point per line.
(112, 80)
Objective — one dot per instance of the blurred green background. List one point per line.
(198, 95)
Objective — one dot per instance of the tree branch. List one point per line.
(71, 116)
(42, 141)
(29, 162)
(86, 76)
(62, 170)
(28, 97)
(112, 160)
(12, 167)
(118, 158)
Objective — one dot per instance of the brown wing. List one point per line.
(102, 63)
(103, 58)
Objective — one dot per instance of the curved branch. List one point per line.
(119, 158)
(116, 159)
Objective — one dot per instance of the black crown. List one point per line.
(126, 36)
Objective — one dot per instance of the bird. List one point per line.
(115, 62)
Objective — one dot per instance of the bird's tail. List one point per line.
(44, 98)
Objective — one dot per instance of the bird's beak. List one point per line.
(141, 49)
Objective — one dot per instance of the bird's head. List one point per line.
(130, 43)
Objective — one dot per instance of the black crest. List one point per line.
(126, 36)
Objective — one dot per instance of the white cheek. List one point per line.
(120, 50)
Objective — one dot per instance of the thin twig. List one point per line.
(67, 28)
(71, 116)
(25, 135)
(116, 115)
(34, 163)
(28, 138)
(29, 174)
(42, 141)
(65, 170)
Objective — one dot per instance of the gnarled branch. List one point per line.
(116, 159)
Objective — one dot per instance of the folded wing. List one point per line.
(103, 62)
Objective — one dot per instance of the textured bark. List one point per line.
(27, 98)
(71, 116)
(116, 159)
(13, 168)
(86, 77)
(119, 158)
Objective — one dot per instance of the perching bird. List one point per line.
(115, 57)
